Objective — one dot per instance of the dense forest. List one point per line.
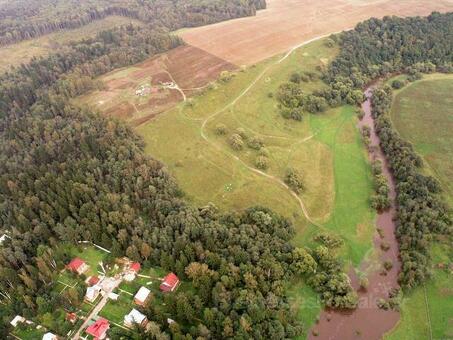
(377, 49)
(26, 19)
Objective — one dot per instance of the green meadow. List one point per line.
(326, 148)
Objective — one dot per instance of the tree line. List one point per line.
(421, 213)
(27, 19)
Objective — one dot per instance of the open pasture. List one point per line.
(287, 23)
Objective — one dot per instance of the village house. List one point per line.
(135, 318)
(49, 336)
(98, 329)
(77, 265)
(92, 293)
(133, 270)
(169, 283)
(142, 296)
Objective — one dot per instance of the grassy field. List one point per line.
(422, 113)
(22, 52)
(326, 148)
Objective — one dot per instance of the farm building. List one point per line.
(17, 319)
(49, 336)
(77, 265)
(142, 296)
(135, 318)
(98, 329)
(169, 283)
(92, 293)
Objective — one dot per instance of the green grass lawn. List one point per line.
(326, 148)
(423, 114)
(91, 255)
(116, 310)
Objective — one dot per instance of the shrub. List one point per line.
(295, 77)
(241, 132)
(294, 180)
(388, 265)
(262, 162)
(264, 152)
(236, 142)
(255, 143)
(221, 129)
(397, 84)
(292, 113)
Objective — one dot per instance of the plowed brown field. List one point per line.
(187, 66)
(287, 23)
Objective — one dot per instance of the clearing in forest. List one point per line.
(287, 23)
(138, 93)
(24, 51)
(326, 148)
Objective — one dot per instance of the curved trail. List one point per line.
(254, 170)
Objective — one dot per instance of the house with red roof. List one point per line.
(98, 329)
(93, 280)
(135, 267)
(169, 283)
(77, 265)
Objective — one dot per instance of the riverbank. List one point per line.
(368, 320)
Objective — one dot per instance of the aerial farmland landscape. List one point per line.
(226, 169)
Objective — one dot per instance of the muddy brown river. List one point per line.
(367, 321)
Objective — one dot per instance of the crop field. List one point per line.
(17, 54)
(287, 23)
(326, 148)
(189, 67)
(422, 113)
